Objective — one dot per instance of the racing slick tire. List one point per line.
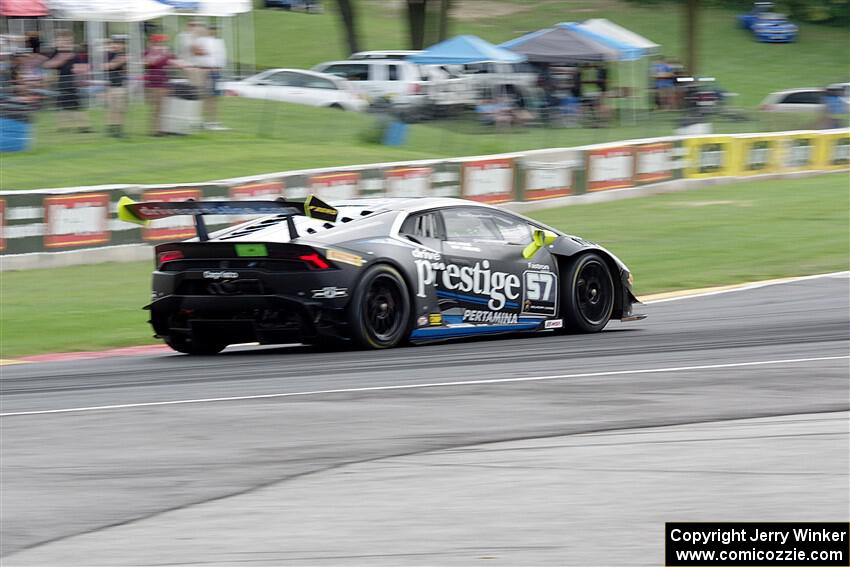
(379, 311)
(193, 345)
(588, 294)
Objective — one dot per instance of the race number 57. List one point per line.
(539, 286)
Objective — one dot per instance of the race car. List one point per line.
(373, 272)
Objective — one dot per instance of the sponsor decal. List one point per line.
(548, 182)
(711, 158)
(840, 154)
(220, 275)
(408, 182)
(344, 257)
(250, 250)
(533, 266)
(435, 319)
(335, 185)
(610, 168)
(654, 162)
(2, 224)
(554, 324)
(330, 292)
(76, 220)
(171, 228)
(489, 317)
(494, 286)
(540, 295)
(757, 157)
(488, 181)
(422, 321)
(798, 153)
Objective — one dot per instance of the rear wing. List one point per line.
(146, 211)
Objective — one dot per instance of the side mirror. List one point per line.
(539, 239)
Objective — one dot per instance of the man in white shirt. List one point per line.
(214, 60)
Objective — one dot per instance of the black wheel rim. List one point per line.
(594, 292)
(384, 308)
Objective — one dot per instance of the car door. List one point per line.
(490, 275)
(319, 91)
(802, 101)
(282, 86)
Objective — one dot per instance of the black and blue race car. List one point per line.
(374, 272)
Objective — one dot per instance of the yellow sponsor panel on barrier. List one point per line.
(798, 152)
(757, 154)
(710, 156)
(834, 150)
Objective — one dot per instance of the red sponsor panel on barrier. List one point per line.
(335, 186)
(76, 220)
(610, 168)
(172, 228)
(654, 162)
(488, 180)
(2, 224)
(261, 190)
(408, 182)
(548, 182)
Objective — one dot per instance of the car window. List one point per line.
(310, 82)
(283, 79)
(805, 97)
(350, 71)
(466, 224)
(392, 73)
(425, 225)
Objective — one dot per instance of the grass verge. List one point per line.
(713, 236)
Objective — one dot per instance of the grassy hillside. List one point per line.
(740, 64)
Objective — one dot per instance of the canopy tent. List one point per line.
(559, 45)
(23, 8)
(465, 49)
(625, 51)
(213, 8)
(614, 31)
(109, 10)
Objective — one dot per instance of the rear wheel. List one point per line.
(588, 294)
(379, 312)
(194, 345)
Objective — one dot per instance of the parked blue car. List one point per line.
(774, 28)
(747, 20)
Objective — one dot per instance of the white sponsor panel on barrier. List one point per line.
(335, 186)
(488, 180)
(610, 168)
(408, 182)
(76, 220)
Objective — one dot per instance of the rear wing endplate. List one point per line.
(146, 211)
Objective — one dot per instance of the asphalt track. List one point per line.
(523, 450)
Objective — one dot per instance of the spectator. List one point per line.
(217, 59)
(835, 108)
(662, 74)
(158, 59)
(65, 60)
(116, 96)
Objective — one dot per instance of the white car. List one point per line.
(492, 74)
(396, 54)
(299, 87)
(794, 100)
(401, 81)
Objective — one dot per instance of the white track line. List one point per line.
(428, 385)
(747, 286)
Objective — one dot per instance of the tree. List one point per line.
(445, 8)
(416, 17)
(349, 24)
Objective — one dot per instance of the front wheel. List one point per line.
(379, 312)
(194, 345)
(588, 294)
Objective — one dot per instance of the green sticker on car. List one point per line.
(251, 250)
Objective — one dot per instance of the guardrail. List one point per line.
(79, 218)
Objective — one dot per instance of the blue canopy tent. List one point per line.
(465, 49)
